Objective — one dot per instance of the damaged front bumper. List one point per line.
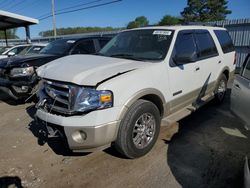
(18, 88)
(83, 133)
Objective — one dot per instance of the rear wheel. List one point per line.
(139, 129)
(221, 89)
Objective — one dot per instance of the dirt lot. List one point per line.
(207, 151)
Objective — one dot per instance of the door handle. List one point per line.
(197, 68)
(219, 62)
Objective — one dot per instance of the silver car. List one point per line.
(240, 97)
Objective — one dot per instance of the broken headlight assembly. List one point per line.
(87, 99)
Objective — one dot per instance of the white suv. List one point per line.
(142, 76)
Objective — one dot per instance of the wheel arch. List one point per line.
(150, 94)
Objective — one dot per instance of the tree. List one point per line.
(11, 34)
(140, 21)
(205, 10)
(170, 20)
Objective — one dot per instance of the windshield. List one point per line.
(146, 44)
(58, 47)
(31, 50)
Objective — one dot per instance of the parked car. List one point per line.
(18, 74)
(240, 97)
(32, 49)
(15, 50)
(140, 77)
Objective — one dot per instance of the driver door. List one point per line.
(184, 78)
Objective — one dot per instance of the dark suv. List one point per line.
(18, 76)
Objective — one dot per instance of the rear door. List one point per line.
(209, 61)
(240, 97)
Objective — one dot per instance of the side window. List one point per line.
(84, 47)
(246, 70)
(224, 40)
(205, 44)
(185, 43)
(103, 42)
(14, 50)
(19, 49)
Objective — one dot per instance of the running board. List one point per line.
(173, 118)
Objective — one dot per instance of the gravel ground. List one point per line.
(207, 151)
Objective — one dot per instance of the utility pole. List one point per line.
(54, 18)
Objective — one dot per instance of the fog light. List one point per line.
(79, 136)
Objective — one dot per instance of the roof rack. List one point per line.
(212, 24)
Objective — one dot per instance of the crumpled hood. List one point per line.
(87, 69)
(17, 61)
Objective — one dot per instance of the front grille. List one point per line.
(59, 96)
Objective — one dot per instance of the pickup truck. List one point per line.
(140, 78)
(18, 77)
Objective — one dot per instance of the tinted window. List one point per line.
(246, 71)
(84, 47)
(17, 50)
(35, 49)
(205, 44)
(185, 43)
(225, 41)
(58, 47)
(103, 42)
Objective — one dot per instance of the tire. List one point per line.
(221, 89)
(133, 129)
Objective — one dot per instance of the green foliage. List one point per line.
(11, 34)
(76, 30)
(170, 20)
(205, 10)
(140, 21)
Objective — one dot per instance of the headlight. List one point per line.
(87, 99)
(19, 72)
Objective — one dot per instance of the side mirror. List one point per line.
(11, 54)
(181, 59)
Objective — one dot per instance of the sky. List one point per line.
(115, 15)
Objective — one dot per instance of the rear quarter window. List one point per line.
(224, 40)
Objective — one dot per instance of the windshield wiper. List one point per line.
(127, 56)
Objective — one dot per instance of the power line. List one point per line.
(6, 3)
(78, 5)
(84, 8)
(13, 6)
(32, 5)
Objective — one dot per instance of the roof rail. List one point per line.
(212, 24)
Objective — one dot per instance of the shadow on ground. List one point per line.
(209, 149)
(10, 101)
(10, 181)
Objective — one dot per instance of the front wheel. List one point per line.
(139, 129)
(221, 89)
